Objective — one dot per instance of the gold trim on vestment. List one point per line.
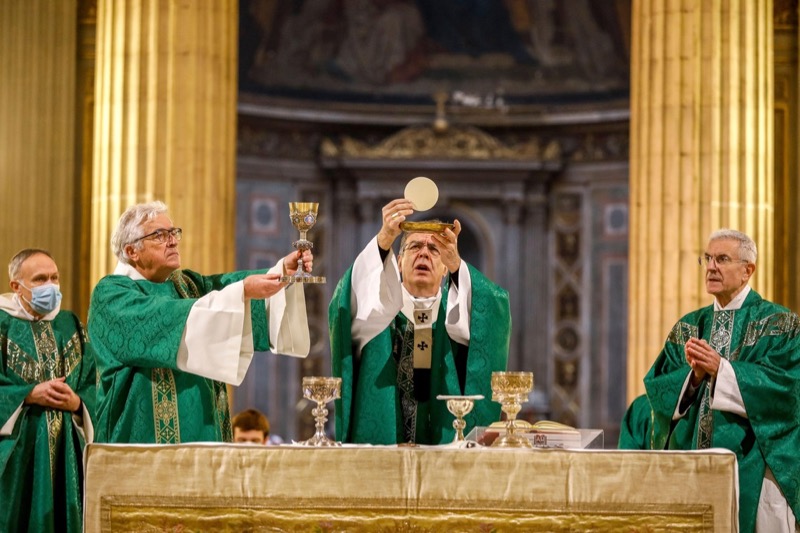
(21, 363)
(681, 333)
(223, 411)
(165, 407)
(775, 324)
(73, 353)
(720, 340)
(404, 351)
(50, 366)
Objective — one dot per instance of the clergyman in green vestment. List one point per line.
(729, 377)
(47, 391)
(168, 340)
(399, 339)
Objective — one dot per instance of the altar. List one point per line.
(226, 487)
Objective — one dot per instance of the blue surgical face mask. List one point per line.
(44, 298)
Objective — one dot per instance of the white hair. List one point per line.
(747, 247)
(129, 227)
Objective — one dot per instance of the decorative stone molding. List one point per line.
(458, 142)
(272, 143)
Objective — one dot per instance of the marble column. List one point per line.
(701, 155)
(786, 289)
(39, 188)
(165, 117)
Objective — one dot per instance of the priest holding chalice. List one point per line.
(406, 328)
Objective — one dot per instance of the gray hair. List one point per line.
(129, 227)
(15, 265)
(747, 247)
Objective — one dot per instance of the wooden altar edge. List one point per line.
(430, 488)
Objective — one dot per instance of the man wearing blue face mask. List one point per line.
(47, 390)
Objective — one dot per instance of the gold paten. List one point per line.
(425, 227)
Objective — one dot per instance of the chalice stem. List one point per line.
(511, 415)
(459, 424)
(321, 415)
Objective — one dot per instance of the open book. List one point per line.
(542, 434)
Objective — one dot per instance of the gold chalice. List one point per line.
(460, 406)
(511, 389)
(321, 390)
(303, 216)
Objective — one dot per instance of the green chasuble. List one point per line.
(634, 432)
(142, 396)
(41, 462)
(761, 342)
(379, 404)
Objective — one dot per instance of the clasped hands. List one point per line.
(703, 359)
(261, 286)
(55, 394)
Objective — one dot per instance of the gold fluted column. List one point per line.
(38, 186)
(165, 120)
(701, 155)
(787, 185)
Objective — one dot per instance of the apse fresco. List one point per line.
(482, 53)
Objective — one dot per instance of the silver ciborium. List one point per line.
(511, 389)
(321, 390)
(303, 216)
(460, 406)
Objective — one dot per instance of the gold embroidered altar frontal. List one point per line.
(250, 488)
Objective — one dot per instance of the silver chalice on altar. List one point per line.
(321, 390)
(303, 216)
(511, 389)
(460, 406)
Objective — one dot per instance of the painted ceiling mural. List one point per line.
(481, 53)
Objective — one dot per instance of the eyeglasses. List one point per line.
(416, 246)
(162, 235)
(719, 260)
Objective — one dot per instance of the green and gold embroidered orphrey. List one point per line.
(166, 422)
(378, 405)
(404, 348)
(44, 446)
(165, 394)
(47, 362)
(187, 288)
(761, 341)
(143, 396)
(721, 333)
(165, 407)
